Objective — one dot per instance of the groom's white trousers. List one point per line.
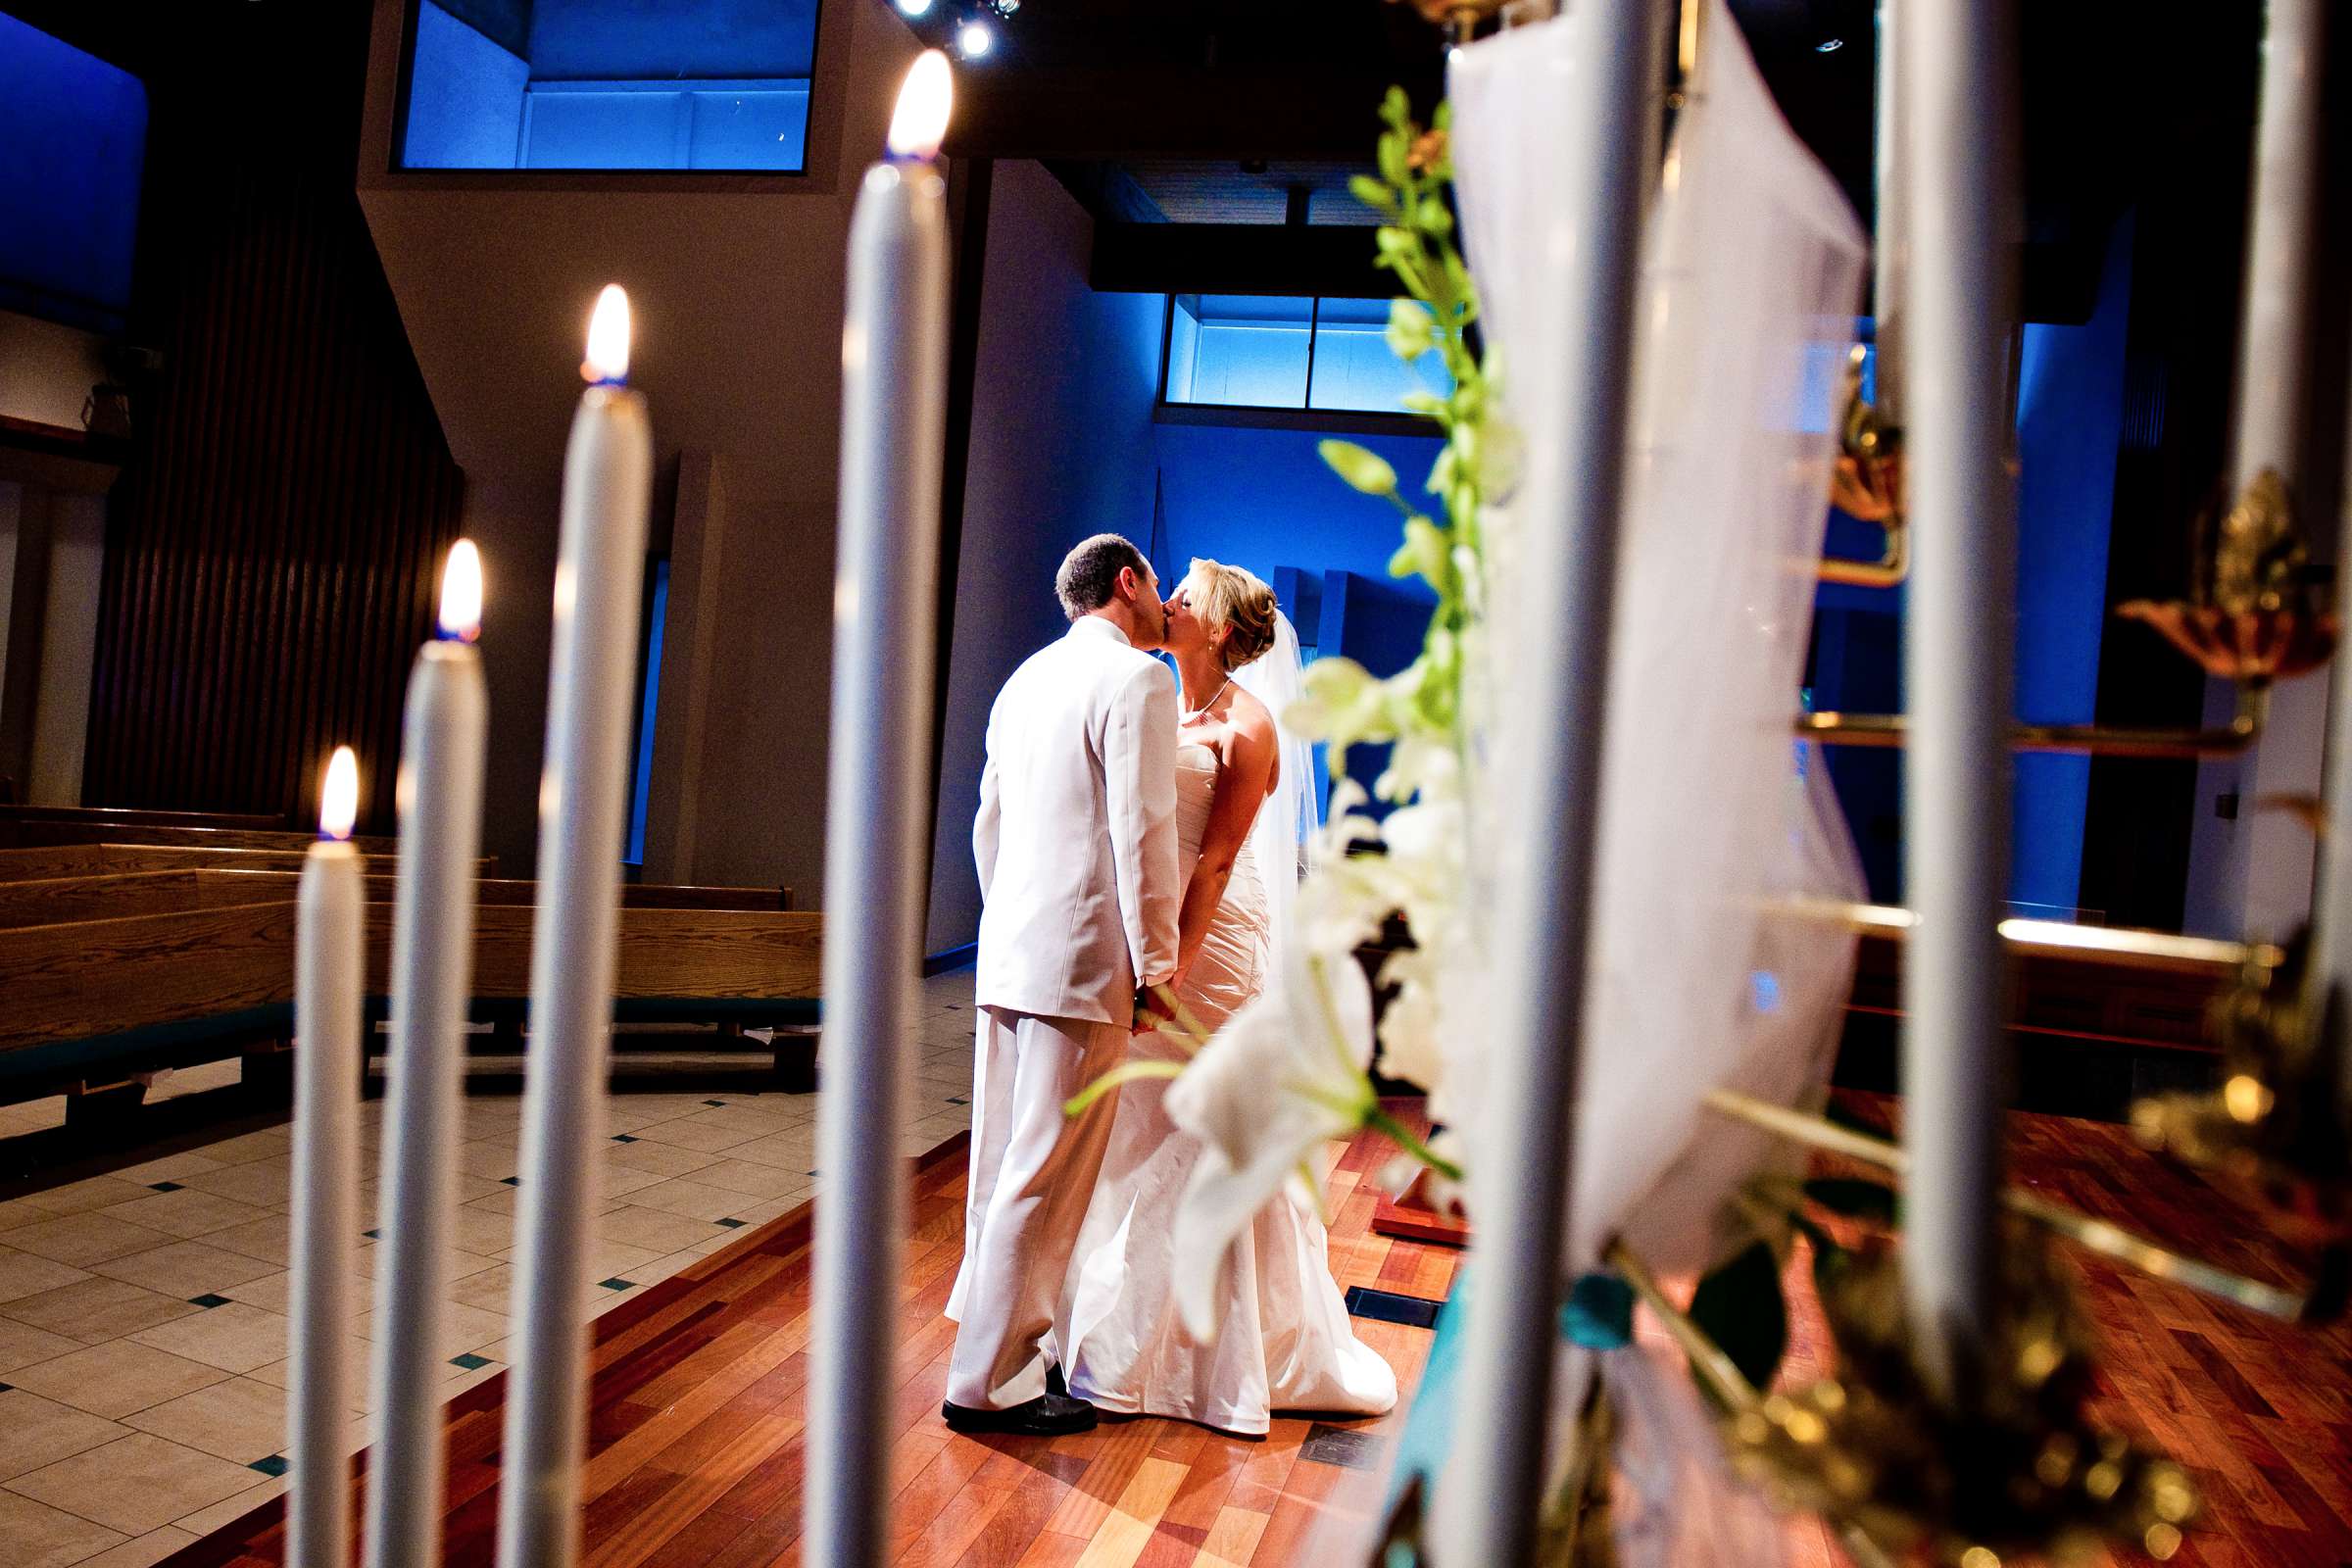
(1033, 1172)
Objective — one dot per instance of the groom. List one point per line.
(1076, 841)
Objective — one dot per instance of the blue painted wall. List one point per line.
(2069, 423)
(718, 85)
(464, 97)
(1263, 499)
(648, 39)
(73, 145)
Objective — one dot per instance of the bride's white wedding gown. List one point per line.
(1286, 1342)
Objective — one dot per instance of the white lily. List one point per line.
(1286, 1074)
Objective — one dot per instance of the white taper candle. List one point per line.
(893, 355)
(1959, 109)
(1489, 1495)
(599, 569)
(439, 796)
(330, 996)
(2278, 335)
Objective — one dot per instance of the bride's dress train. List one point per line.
(1286, 1341)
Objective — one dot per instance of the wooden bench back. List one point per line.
(87, 979)
(53, 861)
(40, 834)
(52, 900)
(102, 816)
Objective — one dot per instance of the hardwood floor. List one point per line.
(695, 1436)
(695, 1425)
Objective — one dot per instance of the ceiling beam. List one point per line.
(1237, 258)
(1299, 115)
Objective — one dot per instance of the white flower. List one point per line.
(1285, 1074)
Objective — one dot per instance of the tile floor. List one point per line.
(142, 1312)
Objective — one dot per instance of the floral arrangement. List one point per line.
(1310, 1037)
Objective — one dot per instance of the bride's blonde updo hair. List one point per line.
(1236, 601)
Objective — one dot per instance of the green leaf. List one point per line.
(1363, 470)
(1740, 1308)
(1371, 192)
(1395, 108)
(1428, 404)
(1856, 1197)
(1126, 1073)
(1432, 217)
(1411, 330)
(1393, 151)
(1423, 552)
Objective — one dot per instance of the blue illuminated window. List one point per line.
(649, 695)
(1261, 352)
(72, 147)
(610, 84)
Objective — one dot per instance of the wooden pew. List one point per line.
(100, 815)
(52, 900)
(43, 834)
(91, 1003)
(53, 861)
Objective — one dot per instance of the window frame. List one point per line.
(384, 127)
(1276, 416)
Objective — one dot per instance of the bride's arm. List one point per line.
(1242, 784)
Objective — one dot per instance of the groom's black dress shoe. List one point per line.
(1052, 1415)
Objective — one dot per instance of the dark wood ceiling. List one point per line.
(1211, 113)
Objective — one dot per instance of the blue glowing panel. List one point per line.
(1354, 367)
(604, 126)
(464, 97)
(654, 40)
(73, 146)
(641, 776)
(1239, 350)
(611, 84)
(763, 127)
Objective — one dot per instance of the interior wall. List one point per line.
(736, 286)
(279, 524)
(2069, 430)
(1062, 448)
(46, 371)
(61, 713)
(1265, 499)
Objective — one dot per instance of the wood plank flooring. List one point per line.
(696, 1424)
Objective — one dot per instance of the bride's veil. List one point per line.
(1285, 831)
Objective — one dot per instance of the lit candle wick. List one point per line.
(920, 122)
(608, 362)
(339, 800)
(462, 594)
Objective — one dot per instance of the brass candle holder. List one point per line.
(2270, 1133)
(2015, 1470)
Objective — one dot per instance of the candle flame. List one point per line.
(339, 800)
(924, 99)
(609, 337)
(461, 593)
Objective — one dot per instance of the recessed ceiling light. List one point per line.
(912, 8)
(974, 39)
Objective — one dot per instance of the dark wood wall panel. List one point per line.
(274, 543)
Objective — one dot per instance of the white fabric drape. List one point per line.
(1753, 266)
(1283, 833)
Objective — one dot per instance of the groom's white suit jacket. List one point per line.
(1076, 836)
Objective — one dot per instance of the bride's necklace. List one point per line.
(1195, 713)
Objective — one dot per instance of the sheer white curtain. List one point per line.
(1285, 829)
(1753, 267)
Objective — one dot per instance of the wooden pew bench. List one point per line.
(39, 834)
(193, 966)
(50, 862)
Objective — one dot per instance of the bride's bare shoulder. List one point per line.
(1250, 715)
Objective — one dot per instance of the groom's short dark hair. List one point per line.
(1091, 572)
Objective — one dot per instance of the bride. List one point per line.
(1286, 1341)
